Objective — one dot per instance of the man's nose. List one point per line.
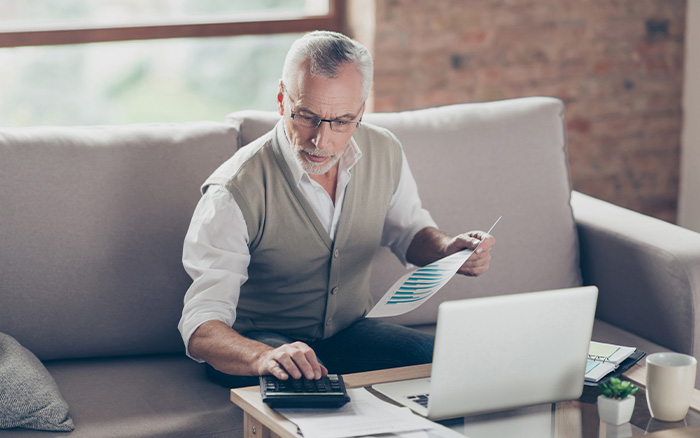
(323, 135)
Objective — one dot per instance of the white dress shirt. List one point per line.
(216, 253)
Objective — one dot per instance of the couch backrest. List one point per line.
(92, 221)
(473, 163)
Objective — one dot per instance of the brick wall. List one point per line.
(617, 65)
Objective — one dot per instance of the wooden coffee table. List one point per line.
(573, 418)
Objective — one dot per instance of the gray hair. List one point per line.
(326, 51)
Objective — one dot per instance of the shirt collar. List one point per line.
(350, 157)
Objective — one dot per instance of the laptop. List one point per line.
(503, 352)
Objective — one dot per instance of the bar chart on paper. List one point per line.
(414, 288)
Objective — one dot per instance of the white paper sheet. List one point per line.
(364, 415)
(414, 288)
(411, 434)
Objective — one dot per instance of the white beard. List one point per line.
(315, 168)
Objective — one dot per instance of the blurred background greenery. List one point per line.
(166, 80)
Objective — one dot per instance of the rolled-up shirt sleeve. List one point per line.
(216, 257)
(405, 216)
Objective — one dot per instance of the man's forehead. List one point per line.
(343, 90)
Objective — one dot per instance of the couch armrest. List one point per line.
(647, 271)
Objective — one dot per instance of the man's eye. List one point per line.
(341, 122)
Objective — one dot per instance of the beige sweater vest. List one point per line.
(301, 283)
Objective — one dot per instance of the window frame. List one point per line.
(274, 25)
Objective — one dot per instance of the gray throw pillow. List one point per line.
(29, 397)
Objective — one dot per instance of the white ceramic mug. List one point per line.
(670, 384)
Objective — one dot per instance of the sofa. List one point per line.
(92, 221)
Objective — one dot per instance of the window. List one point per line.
(123, 61)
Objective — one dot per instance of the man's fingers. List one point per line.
(474, 270)
(485, 241)
(277, 371)
(302, 358)
(311, 359)
(478, 263)
(481, 243)
(295, 360)
(289, 364)
(472, 240)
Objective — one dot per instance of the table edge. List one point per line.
(249, 399)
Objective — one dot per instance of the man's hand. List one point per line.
(430, 244)
(293, 360)
(229, 352)
(478, 263)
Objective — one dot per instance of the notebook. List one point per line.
(503, 352)
(604, 359)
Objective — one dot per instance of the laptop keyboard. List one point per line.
(421, 399)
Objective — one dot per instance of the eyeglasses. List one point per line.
(313, 122)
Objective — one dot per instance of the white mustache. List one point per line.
(318, 152)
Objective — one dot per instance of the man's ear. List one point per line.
(280, 98)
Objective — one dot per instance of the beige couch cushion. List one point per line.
(93, 220)
(474, 163)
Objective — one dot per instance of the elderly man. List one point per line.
(280, 245)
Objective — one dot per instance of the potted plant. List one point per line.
(614, 405)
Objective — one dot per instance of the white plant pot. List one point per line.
(615, 412)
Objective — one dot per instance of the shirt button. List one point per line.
(330, 320)
(335, 290)
(336, 253)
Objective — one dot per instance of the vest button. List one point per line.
(334, 291)
(336, 253)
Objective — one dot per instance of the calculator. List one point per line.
(326, 392)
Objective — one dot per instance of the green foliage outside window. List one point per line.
(138, 81)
